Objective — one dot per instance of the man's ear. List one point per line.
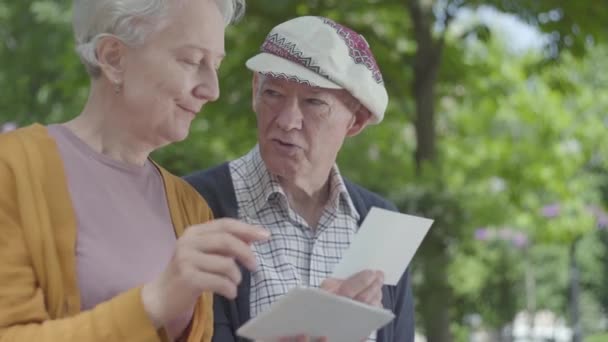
(360, 120)
(110, 52)
(255, 84)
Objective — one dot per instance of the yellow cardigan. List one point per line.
(39, 295)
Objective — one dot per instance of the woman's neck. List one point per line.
(106, 129)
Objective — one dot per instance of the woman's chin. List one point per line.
(182, 134)
(179, 132)
(183, 127)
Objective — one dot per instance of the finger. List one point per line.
(219, 265)
(300, 338)
(380, 276)
(377, 300)
(244, 231)
(214, 283)
(378, 303)
(331, 285)
(227, 245)
(370, 294)
(357, 283)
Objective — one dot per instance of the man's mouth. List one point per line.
(285, 144)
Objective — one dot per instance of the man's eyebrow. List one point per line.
(315, 90)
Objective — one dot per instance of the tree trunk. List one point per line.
(577, 333)
(530, 286)
(603, 289)
(435, 298)
(427, 60)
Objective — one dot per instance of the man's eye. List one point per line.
(316, 102)
(271, 92)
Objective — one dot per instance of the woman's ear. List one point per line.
(110, 52)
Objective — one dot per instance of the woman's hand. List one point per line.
(205, 259)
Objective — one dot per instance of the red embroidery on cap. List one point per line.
(281, 47)
(291, 78)
(358, 48)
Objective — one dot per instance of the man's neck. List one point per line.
(307, 197)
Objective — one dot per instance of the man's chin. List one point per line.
(287, 169)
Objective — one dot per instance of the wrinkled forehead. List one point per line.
(300, 89)
(294, 84)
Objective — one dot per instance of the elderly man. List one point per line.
(315, 83)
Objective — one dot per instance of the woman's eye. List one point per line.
(192, 60)
(189, 62)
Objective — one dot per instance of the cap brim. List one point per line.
(268, 63)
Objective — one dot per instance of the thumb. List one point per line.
(331, 285)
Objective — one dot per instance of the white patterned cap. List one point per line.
(322, 53)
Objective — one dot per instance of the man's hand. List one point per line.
(364, 287)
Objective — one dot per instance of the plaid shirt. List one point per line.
(296, 255)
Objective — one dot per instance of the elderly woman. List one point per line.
(98, 243)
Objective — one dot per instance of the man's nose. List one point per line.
(290, 116)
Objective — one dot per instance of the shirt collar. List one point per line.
(339, 192)
(262, 186)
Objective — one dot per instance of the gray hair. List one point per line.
(129, 20)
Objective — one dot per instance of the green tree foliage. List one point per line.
(474, 136)
(41, 78)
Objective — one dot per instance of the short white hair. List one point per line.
(129, 20)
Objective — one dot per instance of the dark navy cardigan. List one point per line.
(215, 185)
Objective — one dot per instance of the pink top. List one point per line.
(125, 236)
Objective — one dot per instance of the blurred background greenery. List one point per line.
(496, 129)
